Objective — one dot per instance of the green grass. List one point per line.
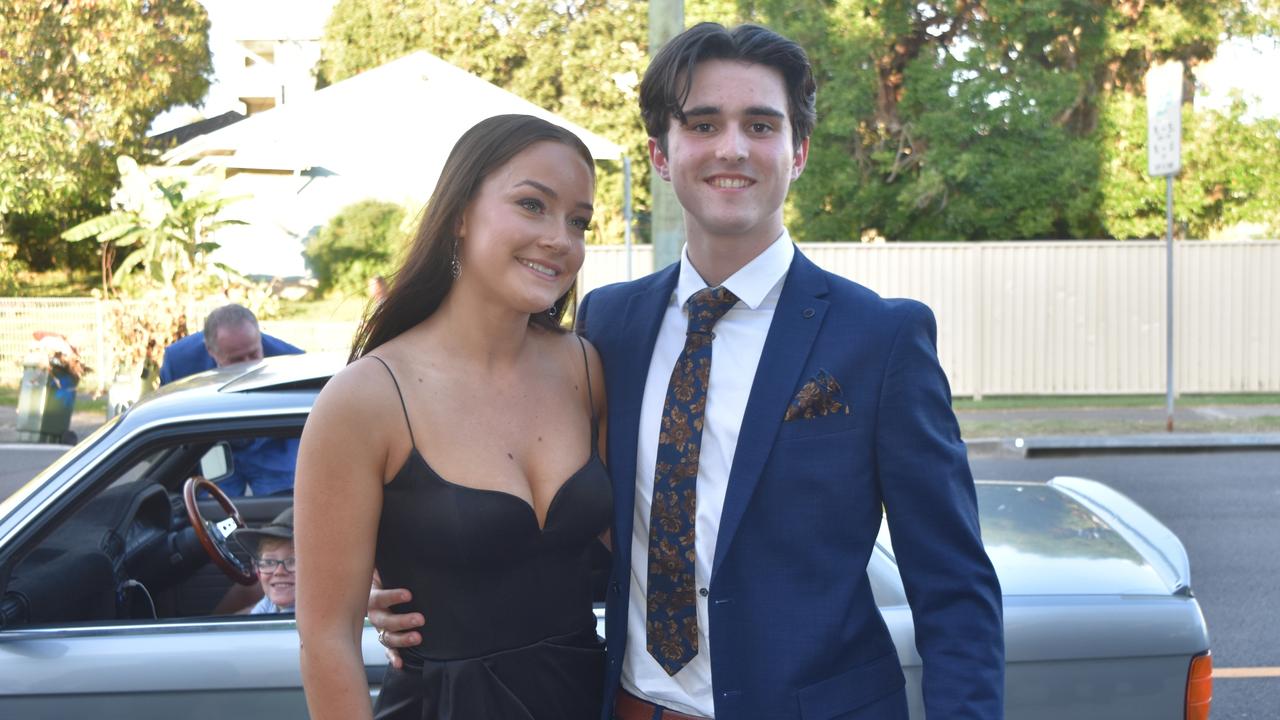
(987, 428)
(56, 283)
(1066, 402)
(330, 309)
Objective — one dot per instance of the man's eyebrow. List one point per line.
(553, 194)
(752, 111)
(764, 110)
(702, 110)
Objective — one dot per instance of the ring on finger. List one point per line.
(382, 638)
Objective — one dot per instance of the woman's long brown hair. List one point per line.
(423, 280)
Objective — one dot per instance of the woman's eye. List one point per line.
(582, 224)
(531, 205)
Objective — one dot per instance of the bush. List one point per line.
(362, 240)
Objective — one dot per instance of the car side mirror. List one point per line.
(216, 463)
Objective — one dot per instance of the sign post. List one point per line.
(1164, 158)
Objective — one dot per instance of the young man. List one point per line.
(766, 424)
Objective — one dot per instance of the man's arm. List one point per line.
(933, 518)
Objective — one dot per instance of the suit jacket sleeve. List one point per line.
(933, 520)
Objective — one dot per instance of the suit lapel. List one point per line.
(637, 334)
(795, 326)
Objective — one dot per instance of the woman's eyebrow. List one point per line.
(552, 193)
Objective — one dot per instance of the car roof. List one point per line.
(286, 383)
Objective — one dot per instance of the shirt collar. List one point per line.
(751, 283)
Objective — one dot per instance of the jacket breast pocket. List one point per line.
(872, 690)
(816, 426)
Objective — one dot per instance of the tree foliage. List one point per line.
(363, 240)
(80, 82)
(994, 119)
(938, 119)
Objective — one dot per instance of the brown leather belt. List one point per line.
(630, 707)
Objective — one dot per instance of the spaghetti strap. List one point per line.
(595, 424)
(400, 395)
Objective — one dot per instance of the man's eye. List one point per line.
(702, 127)
(761, 128)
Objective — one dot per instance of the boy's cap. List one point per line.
(281, 527)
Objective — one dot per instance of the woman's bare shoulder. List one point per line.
(361, 388)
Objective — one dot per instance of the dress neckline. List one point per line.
(543, 524)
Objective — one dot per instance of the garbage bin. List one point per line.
(45, 402)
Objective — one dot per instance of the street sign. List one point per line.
(1164, 119)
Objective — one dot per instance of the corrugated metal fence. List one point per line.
(1022, 318)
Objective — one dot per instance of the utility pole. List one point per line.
(666, 20)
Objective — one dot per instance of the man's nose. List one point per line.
(732, 146)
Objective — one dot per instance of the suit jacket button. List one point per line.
(808, 313)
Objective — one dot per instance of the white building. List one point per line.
(383, 134)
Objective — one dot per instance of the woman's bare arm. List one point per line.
(338, 501)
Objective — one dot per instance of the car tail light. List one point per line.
(1200, 687)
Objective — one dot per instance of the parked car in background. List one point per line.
(114, 562)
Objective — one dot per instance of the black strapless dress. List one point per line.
(510, 633)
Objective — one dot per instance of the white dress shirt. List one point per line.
(739, 342)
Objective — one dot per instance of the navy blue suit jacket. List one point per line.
(188, 356)
(794, 628)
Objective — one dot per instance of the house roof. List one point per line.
(190, 131)
(403, 115)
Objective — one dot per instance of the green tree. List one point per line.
(363, 240)
(994, 119)
(938, 120)
(80, 82)
(580, 59)
(164, 229)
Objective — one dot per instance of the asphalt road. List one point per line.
(20, 462)
(1225, 507)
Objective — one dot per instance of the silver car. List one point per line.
(117, 561)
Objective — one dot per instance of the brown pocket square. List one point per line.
(820, 396)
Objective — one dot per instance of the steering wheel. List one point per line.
(213, 536)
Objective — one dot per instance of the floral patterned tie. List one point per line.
(672, 616)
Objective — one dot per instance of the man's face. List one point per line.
(236, 343)
(733, 160)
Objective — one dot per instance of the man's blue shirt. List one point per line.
(188, 356)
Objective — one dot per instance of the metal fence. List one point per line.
(1021, 318)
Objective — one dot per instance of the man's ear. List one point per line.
(658, 157)
(800, 159)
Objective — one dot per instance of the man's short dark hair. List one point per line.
(668, 80)
(226, 316)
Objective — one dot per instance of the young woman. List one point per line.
(457, 454)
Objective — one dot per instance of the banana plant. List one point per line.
(163, 229)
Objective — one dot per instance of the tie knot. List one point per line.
(707, 306)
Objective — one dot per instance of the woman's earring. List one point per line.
(455, 267)
(553, 312)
